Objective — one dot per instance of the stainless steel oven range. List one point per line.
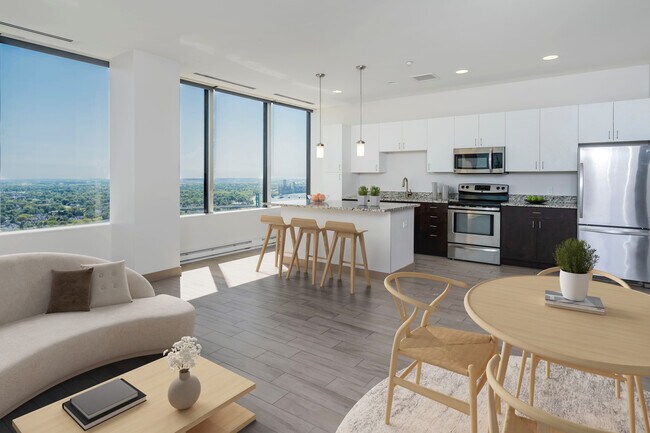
(474, 225)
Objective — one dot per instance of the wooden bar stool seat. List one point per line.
(343, 231)
(275, 222)
(310, 228)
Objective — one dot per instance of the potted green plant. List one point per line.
(374, 195)
(362, 195)
(576, 260)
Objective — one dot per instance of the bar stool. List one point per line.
(309, 227)
(276, 222)
(345, 231)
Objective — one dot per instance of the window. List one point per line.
(193, 134)
(239, 141)
(54, 138)
(289, 153)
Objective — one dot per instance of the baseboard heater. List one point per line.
(221, 250)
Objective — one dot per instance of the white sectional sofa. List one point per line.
(38, 350)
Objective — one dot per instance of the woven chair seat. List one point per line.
(447, 348)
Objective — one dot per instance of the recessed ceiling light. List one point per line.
(337, 91)
(409, 62)
(462, 71)
(551, 57)
(392, 82)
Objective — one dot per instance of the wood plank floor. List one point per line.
(312, 352)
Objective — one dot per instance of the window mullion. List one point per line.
(209, 151)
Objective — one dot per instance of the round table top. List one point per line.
(513, 310)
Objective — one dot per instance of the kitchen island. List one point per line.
(389, 236)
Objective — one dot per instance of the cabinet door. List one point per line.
(492, 129)
(559, 138)
(596, 122)
(440, 145)
(553, 227)
(632, 120)
(333, 156)
(331, 186)
(390, 137)
(522, 140)
(414, 135)
(466, 131)
(371, 161)
(518, 235)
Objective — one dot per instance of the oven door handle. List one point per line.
(490, 159)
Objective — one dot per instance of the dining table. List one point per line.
(513, 309)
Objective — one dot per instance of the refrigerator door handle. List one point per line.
(615, 231)
(581, 188)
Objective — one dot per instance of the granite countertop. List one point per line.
(400, 196)
(556, 201)
(346, 206)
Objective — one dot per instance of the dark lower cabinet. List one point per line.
(529, 235)
(430, 229)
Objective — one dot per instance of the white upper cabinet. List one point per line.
(522, 140)
(440, 145)
(332, 161)
(632, 120)
(414, 135)
(492, 129)
(390, 137)
(596, 122)
(466, 131)
(410, 135)
(559, 138)
(372, 161)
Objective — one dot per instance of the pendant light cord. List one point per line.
(360, 103)
(320, 107)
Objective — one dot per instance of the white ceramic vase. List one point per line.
(362, 200)
(184, 391)
(374, 200)
(574, 286)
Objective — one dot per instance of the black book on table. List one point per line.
(105, 401)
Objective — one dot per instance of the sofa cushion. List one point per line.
(43, 350)
(108, 285)
(70, 291)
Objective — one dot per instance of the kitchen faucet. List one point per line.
(405, 184)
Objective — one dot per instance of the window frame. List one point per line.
(208, 178)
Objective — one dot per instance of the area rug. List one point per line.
(574, 395)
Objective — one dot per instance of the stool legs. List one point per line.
(327, 251)
(328, 264)
(366, 272)
(294, 256)
(266, 242)
(341, 253)
(353, 263)
(282, 234)
(314, 260)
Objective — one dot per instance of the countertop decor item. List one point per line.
(184, 391)
(576, 260)
(374, 195)
(317, 198)
(535, 199)
(362, 195)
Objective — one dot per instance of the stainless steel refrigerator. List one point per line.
(614, 206)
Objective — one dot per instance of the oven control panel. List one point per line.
(483, 188)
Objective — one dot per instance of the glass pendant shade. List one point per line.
(320, 151)
(361, 148)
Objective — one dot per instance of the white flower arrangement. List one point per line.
(183, 354)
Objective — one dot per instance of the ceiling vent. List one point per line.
(224, 81)
(294, 99)
(424, 77)
(36, 32)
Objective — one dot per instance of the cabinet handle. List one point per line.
(376, 167)
(542, 165)
(428, 166)
(536, 213)
(475, 142)
(433, 226)
(433, 216)
(533, 224)
(535, 165)
(617, 134)
(481, 142)
(609, 135)
(339, 167)
(433, 236)
(540, 224)
(339, 176)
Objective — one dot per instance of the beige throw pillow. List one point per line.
(109, 285)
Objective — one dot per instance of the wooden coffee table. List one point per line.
(215, 411)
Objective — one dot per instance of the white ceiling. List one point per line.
(277, 46)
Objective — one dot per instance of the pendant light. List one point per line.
(320, 147)
(361, 145)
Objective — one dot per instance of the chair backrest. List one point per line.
(305, 223)
(400, 299)
(341, 227)
(596, 272)
(546, 423)
(272, 219)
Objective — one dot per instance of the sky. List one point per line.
(54, 120)
(54, 124)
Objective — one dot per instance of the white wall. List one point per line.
(90, 239)
(145, 161)
(609, 85)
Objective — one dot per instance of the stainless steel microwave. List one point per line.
(480, 160)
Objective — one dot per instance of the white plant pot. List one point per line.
(374, 200)
(574, 286)
(362, 200)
